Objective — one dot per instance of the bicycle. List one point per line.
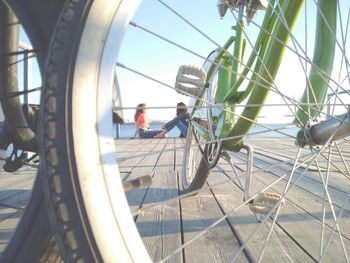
(87, 205)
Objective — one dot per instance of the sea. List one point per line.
(257, 130)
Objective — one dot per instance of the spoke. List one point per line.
(306, 64)
(207, 102)
(273, 84)
(344, 37)
(225, 217)
(22, 52)
(342, 158)
(190, 24)
(324, 201)
(335, 224)
(292, 104)
(316, 154)
(330, 202)
(17, 94)
(279, 207)
(19, 61)
(313, 158)
(306, 58)
(273, 88)
(265, 169)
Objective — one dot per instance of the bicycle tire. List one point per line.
(197, 161)
(66, 134)
(70, 214)
(195, 169)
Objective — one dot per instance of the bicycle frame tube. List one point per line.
(322, 62)
(271, 59)
(238, 47)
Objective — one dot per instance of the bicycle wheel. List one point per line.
(87, 203)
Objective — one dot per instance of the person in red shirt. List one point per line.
(142, 126)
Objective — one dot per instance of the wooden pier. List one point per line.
(167, 222)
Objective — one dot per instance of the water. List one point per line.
(128, 130)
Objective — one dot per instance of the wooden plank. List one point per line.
(300, 217)
(166, 158)
(179, 153)
(311, 181)
(159, 225)
(18, 200)
(163, 159)
(148, 163)
(14, 186)
(130, 152)
(6, 212)
(7, 229)
(15, 191)
(280, 248)
(216, 245)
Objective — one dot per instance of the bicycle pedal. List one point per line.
(263, 203)
(142, 181)
(190, 80)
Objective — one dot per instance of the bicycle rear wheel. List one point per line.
(197, 163)
(33, 239)
(88, 207)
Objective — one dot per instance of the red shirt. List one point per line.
(141, 122)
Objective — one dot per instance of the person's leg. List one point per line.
(182, 127)
(171, 124)
(174, 122)
(148, 134)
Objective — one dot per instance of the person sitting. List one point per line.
(181, 120)
(142, 126)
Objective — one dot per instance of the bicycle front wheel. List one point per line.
(87, 203)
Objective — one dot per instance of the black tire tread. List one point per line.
(65, 212)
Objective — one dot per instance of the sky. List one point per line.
(161, 60)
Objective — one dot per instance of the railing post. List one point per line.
(117, 128)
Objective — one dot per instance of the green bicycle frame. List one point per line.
(267, 55)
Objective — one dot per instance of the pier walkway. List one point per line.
(167, 222)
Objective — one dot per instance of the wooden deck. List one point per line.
(167, 225)
(15, 190)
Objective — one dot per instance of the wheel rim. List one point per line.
(100, 183)
(193, 156)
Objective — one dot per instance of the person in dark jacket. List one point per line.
(181, 120)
